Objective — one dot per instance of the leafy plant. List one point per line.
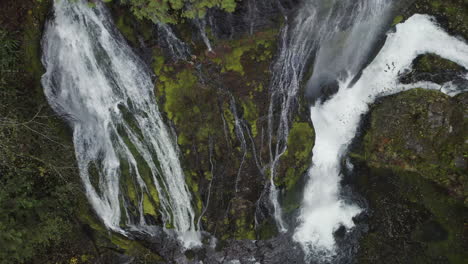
(8, 55)
(173, 11)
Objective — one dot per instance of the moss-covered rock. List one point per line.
(412, 220)
(215, 108)
(451, 14)
(424, 134)
(432, 68)
(298, 156)
(413, 173)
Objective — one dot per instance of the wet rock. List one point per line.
(425, 133)
(411, 170)
(432, 68)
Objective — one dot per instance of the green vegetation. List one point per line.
(297, 157)
(38, 183)
(231, 53)
(8, 55)
(175, 11)
(426, 134)
(44, 214)
(416, 180)
(433, 63)
(452, 14)
(199, 104)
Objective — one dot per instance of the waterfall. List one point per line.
(345, 33)
(339, 35)
(127, 157)
(337, 38)
(178, 49)
(295, 49)
(201, 25)
(336, 121)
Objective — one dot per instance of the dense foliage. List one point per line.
(39, 188)
(45, 218)
(172, 11)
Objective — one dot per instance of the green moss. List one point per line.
(433, 63)
(453, 14)
(176, 91)
(126, 30)
(251, 115)
(297, 157)
(197, 100)
(130, 26)
(397, 20)
(133, 248)
(425, 136)
(243, 221)
(158, 62)
(267, 230)
(129, 184)
(148, 206)
(229, 117)
(231, 58)
(418, 193)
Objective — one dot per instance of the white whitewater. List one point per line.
(339, 34)
(178, 49)
(336, 122)
(105, 91)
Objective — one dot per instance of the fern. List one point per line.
(8, 55)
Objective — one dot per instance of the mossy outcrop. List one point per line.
(414, 175)
(451, 14)
(214, 102)
(432, 68)
(424, 134)
(412, 160)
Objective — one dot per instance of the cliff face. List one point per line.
(410, 156)
(412, 171)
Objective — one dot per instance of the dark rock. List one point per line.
(408, 172)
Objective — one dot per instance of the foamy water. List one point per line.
(95, 80)
(336, 122)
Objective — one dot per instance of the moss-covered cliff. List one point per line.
(411, 157)
(412, 160)
(44, 214)
(413, 173)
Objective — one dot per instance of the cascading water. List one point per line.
(336, 121)
(340, 37)
(296, 47)
(176, 47)
(345, 37)
(127, 157)
(201, 25)
(339, 34)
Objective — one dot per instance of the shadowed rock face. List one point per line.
(280, 249)
(322, 88)
(411, 169)
(432, 68)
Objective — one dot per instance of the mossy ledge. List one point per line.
(412, 169)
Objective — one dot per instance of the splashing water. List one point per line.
(339, 34)
(176, 47)
(127, 158)
(336, 122)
